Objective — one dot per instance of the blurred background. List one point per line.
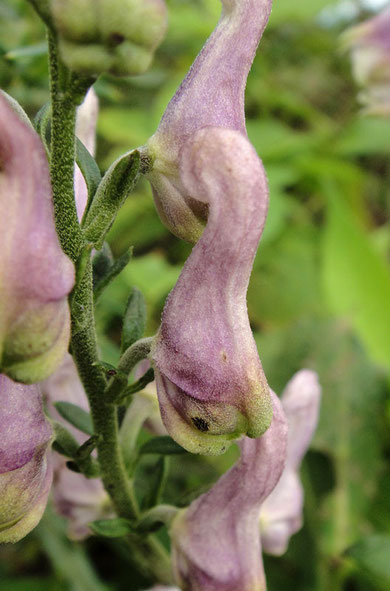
(319, 295)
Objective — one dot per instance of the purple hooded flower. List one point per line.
(216, 541)
(369, 43)
(25, 472)
(281, 513)
(210, 382)
(35, 275)
(77, 498)
(212, 94)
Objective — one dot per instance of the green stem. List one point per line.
(104, 416)
(63, 155)
(66, 92)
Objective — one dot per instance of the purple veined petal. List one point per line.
(86, 121)
(216, 541)
(77, 498)
(25, 471)
(210, 382)
(35, 275)
(212, 94)
(281, 514)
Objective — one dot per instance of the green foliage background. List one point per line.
(319, 296)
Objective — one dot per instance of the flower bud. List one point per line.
(35, 275)
(281, 513)
(210, 382)
(25, 473)
(115, 36)
(216, 541)
(212, 94)
(77, 498)
(369, 43)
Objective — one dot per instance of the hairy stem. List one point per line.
(66, 93)
(63, 155)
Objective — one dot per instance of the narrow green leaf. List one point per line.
(113, 272)
(111, 528)
(28, 51)
(139, 384)
(116, 185)
(76, 416)
(134, 320)
(89, 169)
(64, 442)
(156, 483)
(41, 122)
(101, 263)
(163, 445)
(85, 450)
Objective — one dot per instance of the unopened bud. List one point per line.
(115, 36)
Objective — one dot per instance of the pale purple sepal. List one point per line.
(212, 94)
(25, 471)
(281, 514)
(210, 382)
(77, 498)
(86, 121)
(216, 541)
(35, 275)
(369, 43)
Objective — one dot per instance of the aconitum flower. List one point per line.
(216, 541)
(210, 383)
(25, 472)
(369, 43)
(35, 275)
(212, 94)
(281, 513)
(77, 498)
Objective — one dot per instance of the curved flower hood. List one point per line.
(212, 94)
(210, 382)
(35, 275)
(216, 541)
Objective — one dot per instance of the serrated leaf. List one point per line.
(134, 319)
(163, 445)
(372, 555)
(111, 528)
(89, 169)
(76, 416)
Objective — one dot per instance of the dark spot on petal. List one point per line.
(223, 356)
(200, 423)
(115, 39)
